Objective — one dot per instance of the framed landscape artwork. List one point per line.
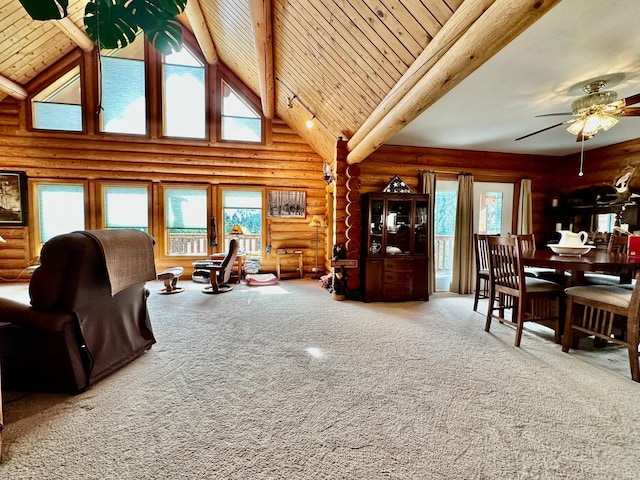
(286, 203)
(13, 198)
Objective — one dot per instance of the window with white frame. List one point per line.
(126, 207)
(185, 215)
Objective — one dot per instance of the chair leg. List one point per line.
(632, 347)
(568, 321)
(477, 294)
(492, 300)
(634, 362)
(521, 309)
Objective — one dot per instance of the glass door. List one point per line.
(444, 225)
(493, 206)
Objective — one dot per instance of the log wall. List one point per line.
(285, 162)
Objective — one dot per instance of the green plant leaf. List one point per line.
(46, 9)
(110, 23)
(172, 7)
(167, 38)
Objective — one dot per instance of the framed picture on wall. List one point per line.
(286, 203)
(13, 198)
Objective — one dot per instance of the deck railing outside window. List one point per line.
(198, 244)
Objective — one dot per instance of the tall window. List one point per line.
(184, 99)
(59, 209)
(186, 221)
(243, 209)
(59, 106)
(123, 89)
(239, 122)
(126, 207)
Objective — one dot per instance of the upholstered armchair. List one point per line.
(87, 315)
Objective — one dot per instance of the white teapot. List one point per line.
(571, 239)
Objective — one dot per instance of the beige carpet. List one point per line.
(282, 382)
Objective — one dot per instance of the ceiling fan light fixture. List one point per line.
(591, 126)
(584, 104)
(576, 127)
(607, 121)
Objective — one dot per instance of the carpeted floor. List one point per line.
(283, 382)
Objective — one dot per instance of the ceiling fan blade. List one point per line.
(554, 114)
(630, 112)
(543, 130)
(632, 100)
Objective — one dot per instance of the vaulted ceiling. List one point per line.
(364, 69)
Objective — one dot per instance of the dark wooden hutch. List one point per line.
(395, 254)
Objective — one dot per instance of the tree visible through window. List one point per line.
(243, 208)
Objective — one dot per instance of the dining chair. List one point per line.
(527, 243)
(617, 244)
(482, 268)
(607, 313)
(534, 299)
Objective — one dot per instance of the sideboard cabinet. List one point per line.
(395, 254)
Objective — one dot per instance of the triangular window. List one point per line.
(59, 105)
(239, 121)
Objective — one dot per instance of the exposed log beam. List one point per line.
(12, 88)
(263, 36)
(453, 29)
(201, 31)
(501, 23)
(75, 33)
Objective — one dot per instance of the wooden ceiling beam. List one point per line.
(201, 31)
(75, 33)
(263, 36)
(453, 29)
(502, 22)
(12, 88)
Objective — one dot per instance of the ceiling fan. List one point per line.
(595, 111)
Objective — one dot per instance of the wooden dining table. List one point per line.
(596, 260)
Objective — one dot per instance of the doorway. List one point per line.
(492, 210)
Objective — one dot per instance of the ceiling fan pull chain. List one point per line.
(581, 173)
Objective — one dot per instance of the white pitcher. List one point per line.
(571, 239)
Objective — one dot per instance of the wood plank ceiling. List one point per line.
(340, 59)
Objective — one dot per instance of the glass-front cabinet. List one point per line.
(395, 239)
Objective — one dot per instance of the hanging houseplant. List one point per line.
(115, 23)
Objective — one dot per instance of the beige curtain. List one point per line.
(525, 208)
(429, 186)
(463, 263)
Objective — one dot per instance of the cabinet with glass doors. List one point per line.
(395, 257)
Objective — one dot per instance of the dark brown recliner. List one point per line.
(76, 332)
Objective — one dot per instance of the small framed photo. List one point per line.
(286, 203)
(13, 198)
